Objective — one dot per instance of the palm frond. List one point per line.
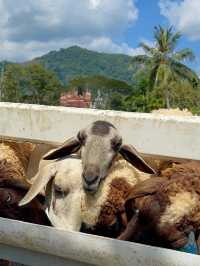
(149, 50)
(184, 72)
(184, 54)
(140, 59)
(174, 39)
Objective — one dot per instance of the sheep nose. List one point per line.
(89, 180)
(91, 174)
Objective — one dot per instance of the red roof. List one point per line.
(72, 99)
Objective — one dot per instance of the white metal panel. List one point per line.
(38, 245)
(76, 247)
(149, 133)
(25, 257)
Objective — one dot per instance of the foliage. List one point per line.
(30, 84)
(165, 64)
(182, 94)
(153, 81)
(78, 62)
(104, 90)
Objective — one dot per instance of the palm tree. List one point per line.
(165, 63)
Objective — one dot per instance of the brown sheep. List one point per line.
(14, 160)
(168, 207)
(11, 192)
(17, 154)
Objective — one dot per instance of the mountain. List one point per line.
(76, 61)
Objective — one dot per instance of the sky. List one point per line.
(31, 28)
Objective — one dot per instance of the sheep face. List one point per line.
(63, 197)
(11, 192)
(99, 143)
(63, 186)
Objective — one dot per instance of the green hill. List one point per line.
(75, 62)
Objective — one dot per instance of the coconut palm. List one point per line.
(165, 64)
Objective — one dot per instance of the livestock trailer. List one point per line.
(157, 135)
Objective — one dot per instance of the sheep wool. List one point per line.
(168, 205)
(17, 156)
(100, 209)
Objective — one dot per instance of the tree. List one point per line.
(44, 86)
(106, 93)
(165, 64)
(116, 102)
(30, 84)
(13, 80)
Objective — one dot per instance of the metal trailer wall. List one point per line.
(149, 133)
(152, 134)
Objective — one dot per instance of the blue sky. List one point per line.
(30, 28)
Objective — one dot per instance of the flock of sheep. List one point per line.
(96, 184)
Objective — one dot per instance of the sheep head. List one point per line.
(11, 192)
(62, 183)
(99, 143)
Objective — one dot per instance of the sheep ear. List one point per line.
(42, 179)
(70, 146)
(146, 187)
(133, 157)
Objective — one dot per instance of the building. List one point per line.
(76, 98)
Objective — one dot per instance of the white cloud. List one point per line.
(21, 51)
(148, 42)
(184, 15)
(32, 27)
(107, 45)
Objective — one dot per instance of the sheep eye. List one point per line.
(8, 198)
(60, 192)
(58, 189)
(81, 137)
(116, 143)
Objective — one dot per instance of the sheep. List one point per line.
(12, 191)
(68, 206)
(167, 207)
(63, 188)
(17, 154)
(76, 185)
(99, 144)
(103, 213)
(14, 160)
